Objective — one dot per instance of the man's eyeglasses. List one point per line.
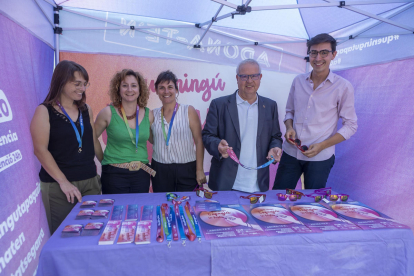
(298, 144)
(246, 77)
(322, 53)
(254, 198)
(79, 84)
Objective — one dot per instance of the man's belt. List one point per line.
(135, 166)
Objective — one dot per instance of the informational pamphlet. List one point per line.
(109, 234)
(131, 212)
(106, 202)
(117, 212)
(207, 205)
(319, 218)
(146, 212)
(88, 204)
(127, 232)
(364, 216)
(231, 222)
(276, 220)
(92, 229)
(85, 214)
(100, 214)
(143, 234)
(72, 230)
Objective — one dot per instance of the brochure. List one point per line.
(276, 220)
(146, 212)
(72, 230)
(364, 216)
(231, 222)
(88, 204)
(85, 214)
(127, 232)
(143, 234)
(131, 212)
(100, 214)
(106, 202)
(92, 229)
(318, 217)
(207, 205)
(109, 234)
(117, 212)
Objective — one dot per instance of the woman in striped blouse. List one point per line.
(175, 131)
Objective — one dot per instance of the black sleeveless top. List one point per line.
(64, 146)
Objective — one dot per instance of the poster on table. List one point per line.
(233, 221)
(277, 220)
(365, 217)
(318, 217)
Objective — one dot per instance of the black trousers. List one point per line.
(123, 181)
(174, 177)
(290, 169)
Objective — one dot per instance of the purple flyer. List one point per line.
(276, 220)
(131, 212)
(364, 216)
(231, 222)
(318, 217)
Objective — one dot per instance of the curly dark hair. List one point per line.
(116, 83)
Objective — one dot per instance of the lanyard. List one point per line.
(188, 232)
(166, 223)
(234, 157)
(167, 137)
(129, 129)
(160, 232)
(78, 137)
(191, 215)
(180, 225)
(173, 224)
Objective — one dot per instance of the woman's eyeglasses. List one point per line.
(254, 198)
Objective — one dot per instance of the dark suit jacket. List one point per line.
(223, 123)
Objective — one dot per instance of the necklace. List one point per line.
(128, 117)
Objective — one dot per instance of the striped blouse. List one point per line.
(181, 148)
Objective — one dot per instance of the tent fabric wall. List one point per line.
(27, 65)
(375, 166)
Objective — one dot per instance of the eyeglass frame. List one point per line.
(319, 53)
(292, 197)
(205, 191)
(252, 76)
(300, 146)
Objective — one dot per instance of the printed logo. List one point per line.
(6, 113)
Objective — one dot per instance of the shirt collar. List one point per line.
(239, 100)
(330, 77)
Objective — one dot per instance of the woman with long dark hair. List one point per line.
(127, 121)
(63, 140)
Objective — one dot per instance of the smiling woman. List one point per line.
(63, 140)
(127, 122)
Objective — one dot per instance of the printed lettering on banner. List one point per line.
(6, 113)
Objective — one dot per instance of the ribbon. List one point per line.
(171, 196)
(187, 230)
(173, 224)
(193, 219)
(78, 136)
(181, 200)
(129, 129)
(180, 225)
(160, 232)
(167, 137)
(234, 157)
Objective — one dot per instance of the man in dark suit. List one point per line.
(248, 124)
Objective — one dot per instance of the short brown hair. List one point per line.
(116, 84)
(64, 73)
(322, 38)
(166, 76)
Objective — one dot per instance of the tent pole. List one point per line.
(211, 23)
(58, 31)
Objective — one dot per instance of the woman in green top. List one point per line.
(127, 122)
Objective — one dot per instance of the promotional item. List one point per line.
(235, 159)
(179, 223)
(131, 212)
(106, 202)
(160, 231)
(207, 206)
(88, 204)
(72, 230)
(92, 229)
(109, 234)
(193, 218)
(100, 214)
(127, 232)
(85, 214)
(117, 212)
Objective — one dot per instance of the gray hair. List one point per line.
(248, 61)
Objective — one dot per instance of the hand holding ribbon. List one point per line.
(234, 157)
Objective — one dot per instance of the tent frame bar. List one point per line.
(44, 13)
(213, 19)
(51, 2)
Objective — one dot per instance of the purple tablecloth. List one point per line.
(364, 252)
